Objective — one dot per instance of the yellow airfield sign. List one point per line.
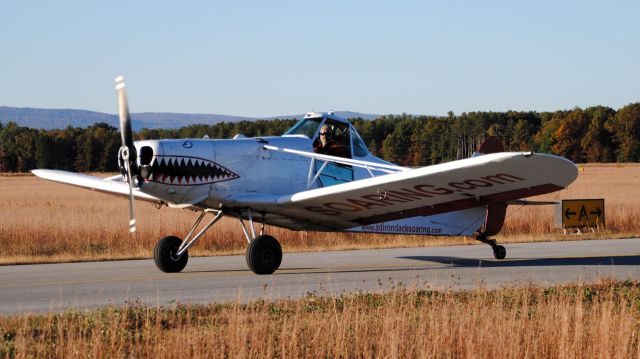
(582, 212)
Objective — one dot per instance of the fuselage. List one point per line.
(206, 171)
(214, 173)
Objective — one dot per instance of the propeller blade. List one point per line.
(127, 151)
(126, 133)
(132, 217)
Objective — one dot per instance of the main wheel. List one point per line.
(499, 252)
(264, 255)
(165, 255)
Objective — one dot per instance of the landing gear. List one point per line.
(171, 254)
(264, 255)
(499, 252)
(166, 255)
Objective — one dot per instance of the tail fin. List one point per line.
(491, 144)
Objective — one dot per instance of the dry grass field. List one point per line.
(41, 221)
(577, 321)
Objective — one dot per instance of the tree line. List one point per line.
(594, 134)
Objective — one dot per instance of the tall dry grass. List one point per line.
(42, 221)
(616, 183)
(594, 321)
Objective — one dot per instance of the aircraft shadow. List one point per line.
(298, 271)
(460, 263)
(537, 262)
(477, 263)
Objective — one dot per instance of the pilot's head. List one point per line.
(325, 134)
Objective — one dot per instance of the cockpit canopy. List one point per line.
(341, 132)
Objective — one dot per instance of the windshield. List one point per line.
(307, 127)
(359, 148)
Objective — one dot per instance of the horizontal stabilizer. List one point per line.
(524, 202)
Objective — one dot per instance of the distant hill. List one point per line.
(60, 118)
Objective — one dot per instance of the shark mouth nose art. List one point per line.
(188, 171)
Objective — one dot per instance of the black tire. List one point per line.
(264, 255)
(164, 255)
(499, 252)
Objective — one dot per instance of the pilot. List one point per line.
(328, 144)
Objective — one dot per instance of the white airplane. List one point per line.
(281, 181)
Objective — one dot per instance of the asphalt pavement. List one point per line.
(56, 287)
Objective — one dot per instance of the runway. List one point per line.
(56, 287)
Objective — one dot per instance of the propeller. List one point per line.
(127, 152)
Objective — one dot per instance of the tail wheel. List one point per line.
(264, 255)
(165, 255)
(499, 252)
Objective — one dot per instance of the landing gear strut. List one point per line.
(499, 252)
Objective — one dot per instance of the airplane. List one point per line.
(280, 181)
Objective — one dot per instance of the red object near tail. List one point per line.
(491, 144)
(496, 212)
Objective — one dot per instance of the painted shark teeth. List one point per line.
(188, 171)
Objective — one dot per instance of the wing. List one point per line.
(112, 185)
(452, 186)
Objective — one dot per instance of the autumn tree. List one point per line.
(625, 126)
(596, 134)
(597, 143)
(567, 136)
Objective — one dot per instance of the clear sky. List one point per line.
(268, 58)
